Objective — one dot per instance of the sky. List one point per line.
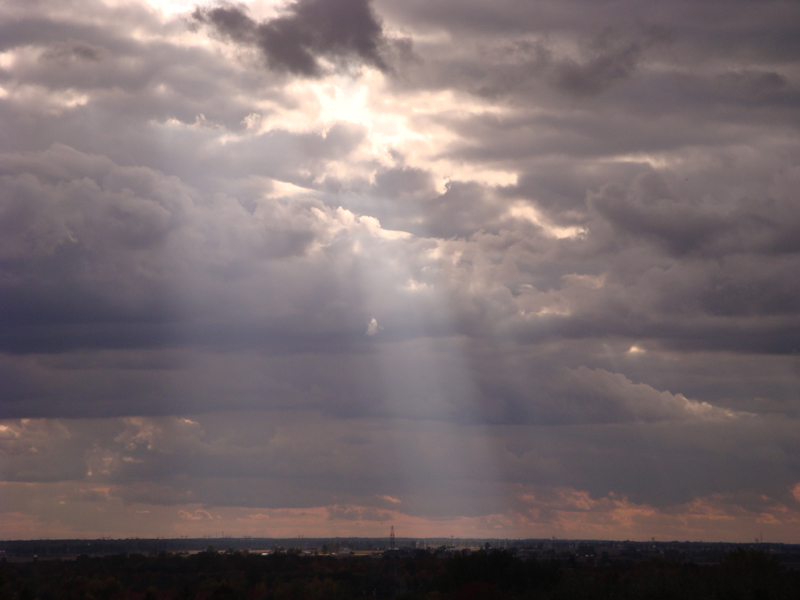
(502, 269)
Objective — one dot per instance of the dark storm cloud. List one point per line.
(604, 59)
(309, 29)
(91, 253)
(708, 30)
(652, 210)
(70, 222)
(607, 61)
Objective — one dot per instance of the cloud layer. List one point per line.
(484, 269)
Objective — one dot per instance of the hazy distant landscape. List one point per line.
(591, 552)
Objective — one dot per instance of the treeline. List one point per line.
(493, 575)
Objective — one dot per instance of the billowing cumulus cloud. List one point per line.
(471, 268)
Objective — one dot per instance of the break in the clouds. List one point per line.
(469, 268)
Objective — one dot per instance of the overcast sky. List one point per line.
(485, 268)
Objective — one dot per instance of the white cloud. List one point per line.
(373, 328)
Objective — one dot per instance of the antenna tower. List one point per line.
(391, 538)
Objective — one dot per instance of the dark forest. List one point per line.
(741, 574)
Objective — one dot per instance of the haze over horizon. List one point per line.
(485, 269)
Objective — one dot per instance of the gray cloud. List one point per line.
(310, 29)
